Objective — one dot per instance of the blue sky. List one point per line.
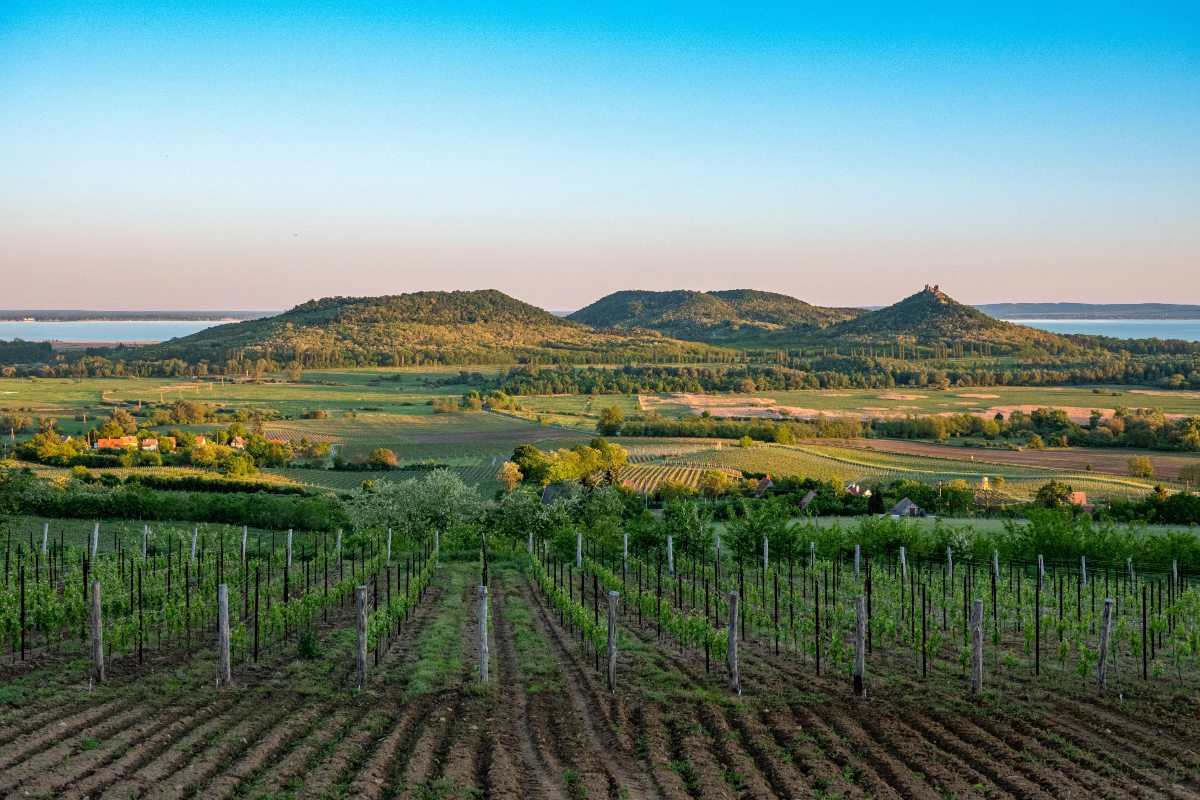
(254, 155)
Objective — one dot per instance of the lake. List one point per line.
(1188, 329)
(103, 330)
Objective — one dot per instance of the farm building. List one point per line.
(117, 443)
(150, 445)
(907, 508)
(237, 443)
(856, 489)
(761, 487)
(807, 500)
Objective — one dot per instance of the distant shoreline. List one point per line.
(34, 315)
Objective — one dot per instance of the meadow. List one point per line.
(393, 408)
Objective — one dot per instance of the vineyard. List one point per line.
(646, 478)
(841, 464)
(730, 674)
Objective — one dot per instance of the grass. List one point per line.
(440, 657)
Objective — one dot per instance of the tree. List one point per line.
(509, 475)
(745, 441)
(294, 371)
(413, 508)
(1053, 494)
(1141, 467)
(124, 419)
(382, 458)
(610, 421)
(714, 483)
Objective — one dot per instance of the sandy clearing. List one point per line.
(979, 396)
(892, 396)
(1166, 393)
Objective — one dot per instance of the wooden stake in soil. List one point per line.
(860, 644)
(1083, 570)
(97, 636)
(195, 536)
(289, 549)
(624, 552)
(735, 684)
(1102, 662)
(530, 545)
(857, 556)
(360, 653)
(224, 675)
(670, 555)
(483, 634)
(389, 547)
(145, 540)
(45, 535)
(766, 555)
(976, 646)
(612, 640)
(578, 549)
(95, 540)
(338, 547)
(437, 548)
(903, 564)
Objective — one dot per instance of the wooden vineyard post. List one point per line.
(766, 555)
(924, 649)
(95, 540)
(244, 534)
(612, 640)
(734, 682)
(976, 646)
(1102, 661)
(195, 535)
(857, 556)
(360, 653)
(145, 540)
(624, 553)
(437, 548)
(530, 544)
(903, 564)
(224, 674)
(1145, 634)
(97, 636)
(289, 550)
(483, 634)
(812, 555)
(578, 549)
(1083, 570)
(45, 535)
(389, 547)
(816, 624)
(1037, 626)
(860, 645)
(670, 555)
(257, 584)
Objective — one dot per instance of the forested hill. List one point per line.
(708, 316)
(932, 317)
(473, 327)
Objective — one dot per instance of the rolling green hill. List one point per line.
(708, 316)
(932, 316)
(473, 327)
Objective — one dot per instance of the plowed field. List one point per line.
(546, 726)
